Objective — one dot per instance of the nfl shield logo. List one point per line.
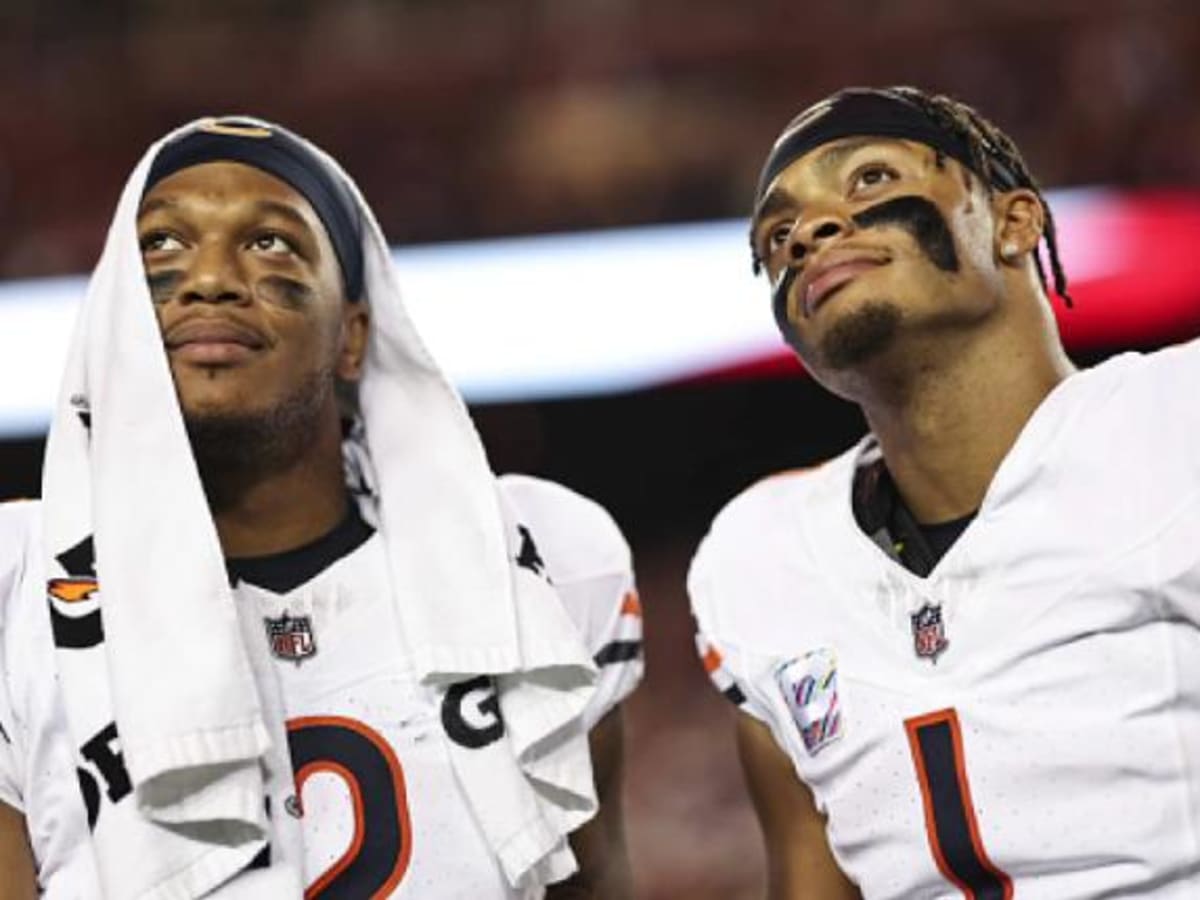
(291, 637)
(929, 633)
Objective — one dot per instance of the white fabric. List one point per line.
(41, 764)
(12, 536)
(361, 671)
(1072, 609)
(178, 681)
(360, 678)
(590, 565)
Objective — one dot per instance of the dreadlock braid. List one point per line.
(987, 142)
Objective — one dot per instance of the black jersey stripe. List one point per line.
(618, 652)
(735, 695)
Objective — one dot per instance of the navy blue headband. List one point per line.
(874, 112)
(282, 154)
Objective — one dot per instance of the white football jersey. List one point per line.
(380, 809)
(1026, 720)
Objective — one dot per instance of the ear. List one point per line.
(1020, 221)
(355, 329)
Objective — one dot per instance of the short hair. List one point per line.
(982, 135)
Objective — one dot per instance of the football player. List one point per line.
(266, 276)
(965, 652)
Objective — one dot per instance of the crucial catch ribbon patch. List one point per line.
(810, 687)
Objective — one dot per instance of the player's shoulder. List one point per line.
(762, 540)
(769, 496)
(576, 536)
(1171, 360)
(1131, 375)
(18, 517)
(20, 527)
(771, 508)
(1133, 403)
(19, 522)
(743, 577)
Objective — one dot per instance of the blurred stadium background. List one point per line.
(480, 120)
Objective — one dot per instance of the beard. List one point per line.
(861, 335)
(234, 450)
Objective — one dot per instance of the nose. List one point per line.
(215, 276)
(812, 231)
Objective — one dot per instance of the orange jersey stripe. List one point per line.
(712, 660)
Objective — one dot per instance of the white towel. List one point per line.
(173, 671)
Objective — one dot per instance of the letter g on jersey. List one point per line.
(471, 713)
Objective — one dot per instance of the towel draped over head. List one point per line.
(154, 664)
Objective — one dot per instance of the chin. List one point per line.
(214, 406)
(858, 335)
(214, 391)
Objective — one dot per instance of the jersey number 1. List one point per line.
(937, 749)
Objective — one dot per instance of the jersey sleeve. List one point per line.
(10, 774)
(712, 583)
(14, 524)
(588, 561)
(721, 578)
(729, 576)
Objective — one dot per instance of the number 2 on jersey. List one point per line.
(937, 749)
(381, 846)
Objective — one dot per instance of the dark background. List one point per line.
(476, 118)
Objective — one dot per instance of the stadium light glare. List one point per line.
(563, 315)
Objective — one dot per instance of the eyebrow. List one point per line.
(262, 207)
(826, 161)
(833, 156)
(274, 207)
(776, 200)
(155, 204)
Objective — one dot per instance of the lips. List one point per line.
(832, 272)
(213, 341)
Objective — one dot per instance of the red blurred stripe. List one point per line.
(1155, 297)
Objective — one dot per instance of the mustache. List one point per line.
(916, 215)
(278, 289)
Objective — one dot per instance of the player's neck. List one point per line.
(946, 432)
(287, 507)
